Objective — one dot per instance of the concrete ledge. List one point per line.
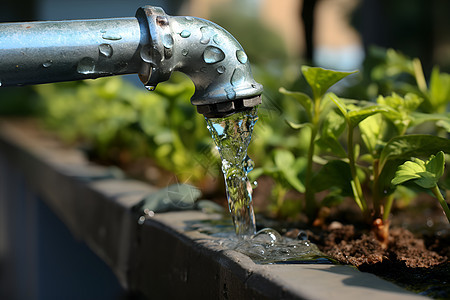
(161, 258)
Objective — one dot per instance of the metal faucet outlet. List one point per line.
(152, 44)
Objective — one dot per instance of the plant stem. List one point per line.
(388, 207)
(418, 74)
(356, 184)
(310, 201)
(376, 190)
(310, 205)
(441, 199)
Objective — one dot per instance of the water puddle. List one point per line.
(267, 246)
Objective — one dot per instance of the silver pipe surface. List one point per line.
(152, 44)
(43, 52)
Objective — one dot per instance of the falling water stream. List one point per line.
(232, 136)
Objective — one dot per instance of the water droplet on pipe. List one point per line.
(206, 33)
(47, 64)
(221, 69)
(185, 33)
(105, 50)
(86, 66)
(111, 36)
(213, 55)
(241, 56)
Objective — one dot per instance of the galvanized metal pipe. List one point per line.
(42, 52)
(152, 44)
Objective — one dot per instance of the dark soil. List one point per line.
(418, 264)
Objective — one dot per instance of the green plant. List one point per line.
(379, 138)
(120, 123)
(323, 129)
(424, 174)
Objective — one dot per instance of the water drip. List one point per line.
(105, 50)
(213, 55)
(241, 56)
(150, 88)
(184, 52)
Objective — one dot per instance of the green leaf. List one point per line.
(425, 174)
(419, 118)
(356, 116)
(405, 147)
(321, 80)
(372, 133)
(436, 164)
(353, 114)
(332, 128)
(301, 98)
(331, 145)
(400, 104)
(445, 124)
(399, 109)
(290, 168)
(334, 174)
(298, 126)
(408, 171)
(439, 91)
(333, 198)
(339, 103)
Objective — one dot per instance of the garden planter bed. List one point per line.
(160, 258)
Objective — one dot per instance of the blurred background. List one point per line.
(331, 33)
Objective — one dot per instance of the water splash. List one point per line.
(232, 136)
(267, 246)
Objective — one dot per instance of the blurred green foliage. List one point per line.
(118, 122)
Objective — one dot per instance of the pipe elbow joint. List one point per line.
(207, 53)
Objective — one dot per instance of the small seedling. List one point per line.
(424, 174)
